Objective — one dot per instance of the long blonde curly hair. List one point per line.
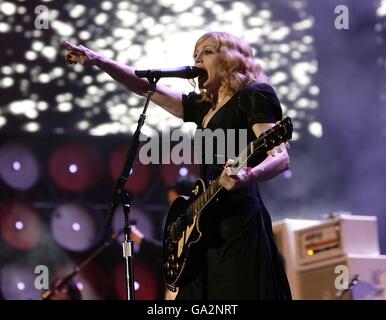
(239, 68)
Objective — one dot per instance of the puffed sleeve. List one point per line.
(260, 104)
(194, 109)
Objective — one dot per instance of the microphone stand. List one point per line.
(48, 293)
(122, 196)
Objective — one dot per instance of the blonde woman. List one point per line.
(238, 258)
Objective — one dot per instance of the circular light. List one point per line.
(8, 8)
(20, 225)
(75, 166)
(67, 219)
(20, 285)
(18, 282)
(18, 166)
(183, 171)
(76, 226)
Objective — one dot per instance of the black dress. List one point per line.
(240, 259)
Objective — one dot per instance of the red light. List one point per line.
(148, 285)
(75, 166)
(20, 225)
(139, 180)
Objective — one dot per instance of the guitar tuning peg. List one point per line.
(279, 149)
(287, 145)
(271, 153)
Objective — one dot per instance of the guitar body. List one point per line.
(181, 236)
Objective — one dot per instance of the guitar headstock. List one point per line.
(281, 132)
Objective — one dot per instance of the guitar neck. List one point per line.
(282, 132)
(239, 163)
(207, 196)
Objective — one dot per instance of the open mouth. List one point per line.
(202, 79)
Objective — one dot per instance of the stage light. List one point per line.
(137, 217)
(3, 121)
(18, 166)
(146, 283)
(183, 172)
(7, 82)
(75, 227)
(316, 129)
(8, 8)
(20, 225)
(170, 172)
(259, 24)
(31, 127)
(139, 179)
(381, 10)
(18, 282)
(20, 285)
(106, 5)
(92, 281)
(75, 166)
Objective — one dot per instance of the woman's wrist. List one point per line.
(254, 174)
(100, 60)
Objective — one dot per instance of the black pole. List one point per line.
(48, 293)
(122, 196)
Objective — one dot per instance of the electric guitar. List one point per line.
(182, 229)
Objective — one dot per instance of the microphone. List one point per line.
(186, 72)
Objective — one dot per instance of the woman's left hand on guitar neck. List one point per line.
(230, 180)
(276, 162)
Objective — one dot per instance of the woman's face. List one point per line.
(207, 57)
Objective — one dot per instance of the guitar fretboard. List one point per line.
(204, 199)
